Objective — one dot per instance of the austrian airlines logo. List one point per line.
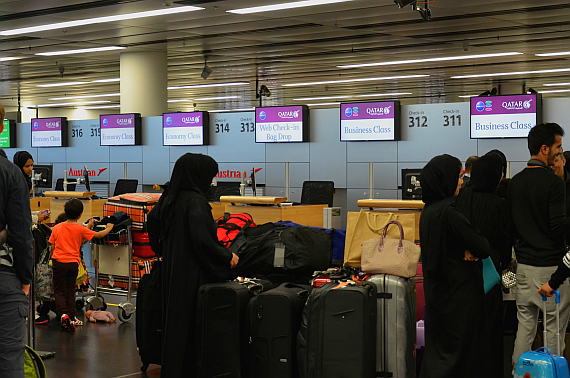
(234, 174)
(91, 173)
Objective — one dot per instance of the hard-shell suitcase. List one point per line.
(136, 205)
(149, 318)
(396, 326)
(337, 337)
(542, 362)
(274, 321)
(221, 327)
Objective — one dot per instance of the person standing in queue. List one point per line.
(453, 281)
(182, 229)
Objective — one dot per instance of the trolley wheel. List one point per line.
(144, 367)
(96, 303)
(125, 311)
(79, 303)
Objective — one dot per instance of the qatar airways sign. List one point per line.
(120, 129)
(504, 116)
(370, 121)
(185, 129)
(49, 132)
(281, 124)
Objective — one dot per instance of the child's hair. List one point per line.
(61, 218)
(73, 208)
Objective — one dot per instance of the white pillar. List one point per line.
(143, 83)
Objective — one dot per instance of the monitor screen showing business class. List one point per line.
(282, 124)
(370, 121)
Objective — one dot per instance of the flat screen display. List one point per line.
(282, 124)
(509, 116)
(120, 129)
(49, 132)
(370, 121)
(185, 129)
(8, 134)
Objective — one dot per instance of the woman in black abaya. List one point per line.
(490, 214)
(182, 226)
(453, 282)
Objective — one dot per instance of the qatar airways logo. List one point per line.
(192, 120)
(517, 105)
(378, 111)
(52, 125)
(289, 114)
(124, 121)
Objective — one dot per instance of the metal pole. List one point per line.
(371, 180)
(287, 183)
(125, 169)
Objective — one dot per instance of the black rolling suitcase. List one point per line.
(149, 318)
(221, 327)
(338, 332)
(274, 321)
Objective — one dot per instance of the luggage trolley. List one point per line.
(112, 256)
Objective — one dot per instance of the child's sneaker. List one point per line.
(77, 322)
(66, 323)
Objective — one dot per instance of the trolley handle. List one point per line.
(544, 332)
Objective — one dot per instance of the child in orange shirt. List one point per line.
(66, 239)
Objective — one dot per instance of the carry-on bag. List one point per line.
(274, 320)
(337, 337)
(141, 245)
(230, 225)
(149, 328)
(396, 326)
(136, 205)
(221, 327)
(542, 362)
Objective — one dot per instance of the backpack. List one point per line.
(33, 365)
(230, 225)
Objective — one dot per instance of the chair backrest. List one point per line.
(59, 186)
(224, 188)
(317, 193)
(125, 186)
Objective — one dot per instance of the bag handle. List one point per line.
(373, 227)
(400, 244)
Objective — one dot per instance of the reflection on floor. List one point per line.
(97, 350)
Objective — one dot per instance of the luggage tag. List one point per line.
(279, 256)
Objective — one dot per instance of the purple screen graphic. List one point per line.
(117, 121)
(193, 119)
(279, 114)
(494, 105)
(46, 124)
(367, 110)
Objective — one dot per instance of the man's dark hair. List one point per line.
(73, 208)
(469, 163)
(541, 135)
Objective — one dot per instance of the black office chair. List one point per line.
(125, 186)
(317, 193)
(59, 186)
(224, 188)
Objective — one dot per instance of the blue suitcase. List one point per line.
(543, 363)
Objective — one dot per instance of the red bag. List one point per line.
(230, 225)
(141, 245)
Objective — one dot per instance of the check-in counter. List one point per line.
(41, 203)
(218, 209)
(91, 207)
(401, 206)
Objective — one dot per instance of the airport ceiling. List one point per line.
(283, 47)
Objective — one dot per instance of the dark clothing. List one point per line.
(466, 179)
(536, 197)
(13, 313)
(64, 276)
(20, 159)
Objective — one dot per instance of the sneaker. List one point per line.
(66, 323)
(42, 319)
(77, 322)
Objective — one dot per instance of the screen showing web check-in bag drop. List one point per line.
(369, 121)
(47, 132)
(118, 130)
(280, 124)
(504, 116)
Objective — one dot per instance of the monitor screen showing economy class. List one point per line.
(120, 129)
(282, 124)
(8, 134)
(510, 116)
(370, 121)
(49, 132)
(185, 129)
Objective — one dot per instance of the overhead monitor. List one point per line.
(411, 186)
(42, 175)
(8, 134)
(186, 129)
(282, 124)
(509, 116)
(370, 121)
(49, 132)
(120, 129)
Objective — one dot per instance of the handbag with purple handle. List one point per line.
(398, 257)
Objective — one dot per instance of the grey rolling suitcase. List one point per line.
(395, 325)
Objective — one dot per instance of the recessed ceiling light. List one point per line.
(440, 59)
(99, 20)
(319, 98)
(292, 5)
(107, 80)
(208, 85)
(82, 51)
(216, 98)
(554, 53)
(556, 84)
(326, 104)
(511, 73)
(468, 96)
(69, 104)
(231, 110)
(87, 96)
(356, 80)
(8, 59)
(101, 107)
(555, 91)
(178, 100)
(62, 84)
(386, 94)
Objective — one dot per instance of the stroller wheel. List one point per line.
(79, 303)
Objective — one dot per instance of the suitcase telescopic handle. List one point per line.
(557, 301)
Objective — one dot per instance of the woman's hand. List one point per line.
(469, 257)
(235, 260)
(43, 215)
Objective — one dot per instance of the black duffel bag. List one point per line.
(269, 249)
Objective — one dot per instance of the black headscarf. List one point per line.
(439, 178)
(486, 173)
(503, 159)
(192, 175)
(20, 159)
